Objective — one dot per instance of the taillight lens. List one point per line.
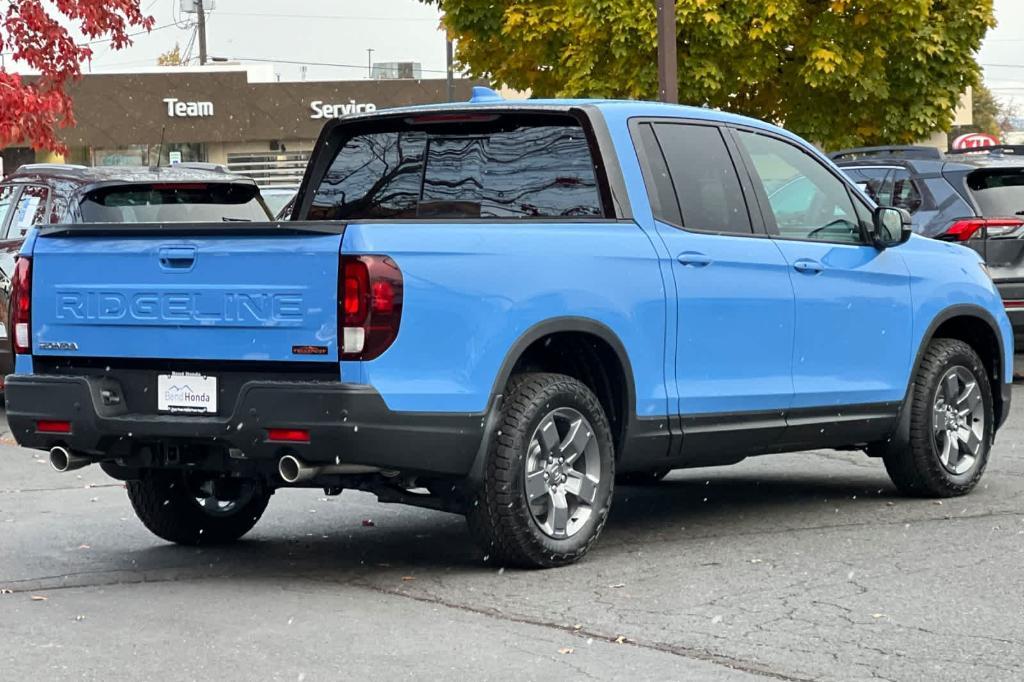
(995, 228)
(20, 316)
(370, 300)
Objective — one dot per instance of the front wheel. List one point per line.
(549, 475)
(951, 424)
(192, 508)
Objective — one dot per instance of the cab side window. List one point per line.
(30, 210)
(904, 192)
(875, 182)
(805, 198)
(6, 204)
(704, 178)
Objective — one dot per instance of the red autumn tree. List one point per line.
(37, 35)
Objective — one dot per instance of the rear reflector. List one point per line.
(50, 426)
(1013, 304)
(963, 230)
(288, 435)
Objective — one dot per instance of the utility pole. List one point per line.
(668, 54)
(369, 62)
(450, 61)
(201, 20)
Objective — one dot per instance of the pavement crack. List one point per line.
(692, 653)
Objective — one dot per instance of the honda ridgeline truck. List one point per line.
(500, 309)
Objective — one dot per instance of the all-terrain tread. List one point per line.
(916, 471)
(498, 517)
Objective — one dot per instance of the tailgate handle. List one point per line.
(178, 258)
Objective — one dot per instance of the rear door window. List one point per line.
(174, 203)
(30, 210)
(999, 192)
(704, 178)
(487, 167)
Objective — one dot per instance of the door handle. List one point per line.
(693, 259)
(808, 266)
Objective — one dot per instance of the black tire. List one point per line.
(917, 470)
(641, 477)
(165, 502)
(500, 517)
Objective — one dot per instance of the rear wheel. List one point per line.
(549, 475)
(193, 508)
(951, 424)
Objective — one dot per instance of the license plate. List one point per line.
(186, 392)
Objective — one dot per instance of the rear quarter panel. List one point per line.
(473, 289)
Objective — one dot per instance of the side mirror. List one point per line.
(892, 226)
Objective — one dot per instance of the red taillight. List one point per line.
(20, 315)
(963, 230)
(50, 426)
(288, 435)
(370, 297)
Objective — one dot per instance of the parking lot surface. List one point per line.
(793, 567)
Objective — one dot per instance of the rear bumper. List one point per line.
(346, 421)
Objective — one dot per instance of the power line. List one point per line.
(107, 40)
(321, 16)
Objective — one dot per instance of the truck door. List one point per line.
(734, 298)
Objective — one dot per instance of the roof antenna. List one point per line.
(160, 149)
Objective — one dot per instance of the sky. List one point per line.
(333, 32)
(1002, 53)
(341, 32)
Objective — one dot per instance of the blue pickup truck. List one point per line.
(500, 309)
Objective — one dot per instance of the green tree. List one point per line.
(990, 115)
(840, 72)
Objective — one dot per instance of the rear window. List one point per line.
(495, 167)
(174, 203)
(999, 192)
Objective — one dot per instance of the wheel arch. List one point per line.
(606, 343)
(976, 327)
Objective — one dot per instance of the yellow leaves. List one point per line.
(825, 60)
(712, 17)
(860, 19)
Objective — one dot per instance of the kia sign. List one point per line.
(975, 141)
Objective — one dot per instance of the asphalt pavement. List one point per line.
(793, 567)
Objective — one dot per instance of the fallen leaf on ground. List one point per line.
(617, 585)
(84, 547)
(39, 597)
(368, 523)
(4, 590)
(407, 578)
(577, 626)
(566, 650)
(621, 639)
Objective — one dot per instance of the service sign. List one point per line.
(975, 141)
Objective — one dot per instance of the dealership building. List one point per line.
(239, 116)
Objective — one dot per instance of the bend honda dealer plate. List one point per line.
(186, 392)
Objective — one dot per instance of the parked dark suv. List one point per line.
(975, 197)
(39, 194)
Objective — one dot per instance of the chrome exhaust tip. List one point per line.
(62, 459)
(294, 470)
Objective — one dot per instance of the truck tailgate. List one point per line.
(227, 294)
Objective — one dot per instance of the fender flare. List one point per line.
(901, 437)
(538, 331)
